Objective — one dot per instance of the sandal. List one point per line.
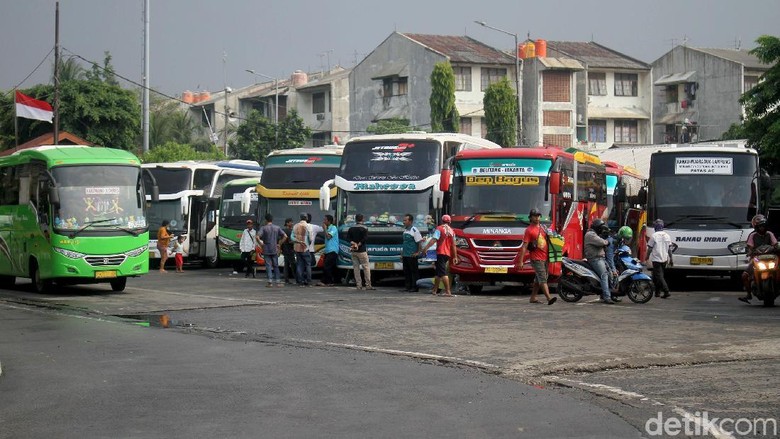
(534, 301)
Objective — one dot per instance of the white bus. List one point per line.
(706, 195)
(189, 198)
(385, 177)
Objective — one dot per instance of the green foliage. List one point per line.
(257, 136)
(500, 105)
(169, 122)
(70, 70)
(762, 103)
(444, 115)
(173, 152)
(389, 126)
(736, 131)
(104, 73)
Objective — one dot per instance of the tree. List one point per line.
(104, 73)
(169, 122)
(70, 70)
(389, 126)
(762, 102)
(501, 113)
(173, 152)
(257, 136)
(444, 115)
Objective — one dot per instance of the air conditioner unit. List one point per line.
(320, 116)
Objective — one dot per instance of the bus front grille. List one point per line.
(102, 261)
(496, 256)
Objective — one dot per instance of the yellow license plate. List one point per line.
(105, 274)
(496, 269)
(700, 261)
(384, 265)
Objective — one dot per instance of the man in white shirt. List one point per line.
(312, 230)
(247, 246)
(659, 252)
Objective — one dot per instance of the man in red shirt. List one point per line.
(444, 237)
(535, 240)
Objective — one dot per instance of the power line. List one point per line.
(31, 73)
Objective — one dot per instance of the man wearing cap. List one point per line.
(247, 246)
(444, 237)
(659, 251)
(535, 242)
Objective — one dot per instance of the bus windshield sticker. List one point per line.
(704, 165)
(109, 190)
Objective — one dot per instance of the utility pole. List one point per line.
(57, 74)
(146, 77)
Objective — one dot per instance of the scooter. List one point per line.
(766, 274)
(578, 279)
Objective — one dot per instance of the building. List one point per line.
(322, 101)
(393, 81)
(612, 94)
(696, 91)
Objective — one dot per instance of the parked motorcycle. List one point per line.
(578, 279)
(766, 274)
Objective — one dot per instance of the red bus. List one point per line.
(625, 203)
(489, 195)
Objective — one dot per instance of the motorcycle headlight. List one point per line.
(136, 251)
(461, 242)
(738, 247)
(761, 266)
(69, 253)
(770, 265)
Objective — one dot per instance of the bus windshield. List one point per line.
(87, 197)
(387, 210)
(162, 210)
(724, 198)
(169, 180)
(390, 160)
(283, 208)
(230, 213)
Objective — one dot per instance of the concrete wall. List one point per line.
(720, 82)
(531, 97)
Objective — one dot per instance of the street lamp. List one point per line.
(276, 92)
(517, 79)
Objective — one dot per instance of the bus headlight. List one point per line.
(136, 251)
(738, 248)
(461, 242)
(225, 241)
(69, 253)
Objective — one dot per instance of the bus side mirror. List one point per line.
(54, 196)
(445, 179)
(555, 183)
(246, 202)
(155, 193)
(325, 197)
(642, 197)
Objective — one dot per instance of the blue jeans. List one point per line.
(272, 268)
(303, 261)
(599, 265)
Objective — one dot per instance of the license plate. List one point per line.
(496, 269)
(384, 265)
(700, 261)
(105, 274)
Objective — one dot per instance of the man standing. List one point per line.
(290, 271)
(535, 243)
(444, 237)
(357, 245)
(412, 244)
(270, 235)
(658, 252)
(594, 251)
(301, 247)
(247, 246)
(330, 267)
(314, 229)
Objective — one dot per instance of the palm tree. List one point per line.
(70, 70)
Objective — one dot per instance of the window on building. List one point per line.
(672, 94)
(462, 78)
(207, 116)
(626, 131)
(491, 76)
(318, 103)
(597, 84)
(597, 131)
(556, 86)
(465, 125)
(394, 86)
(320, 138)
(750, 82)
(626, 84)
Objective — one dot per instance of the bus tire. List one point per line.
(118, 284)
(7, 281)
(39, 285)
(211, 261)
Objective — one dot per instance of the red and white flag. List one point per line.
(30, 108)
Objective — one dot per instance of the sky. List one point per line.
(207, 45)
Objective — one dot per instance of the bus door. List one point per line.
(198, 226)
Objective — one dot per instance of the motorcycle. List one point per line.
(766, 274)
(578, 279)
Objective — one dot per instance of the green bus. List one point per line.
(72, 214)
(232, 217)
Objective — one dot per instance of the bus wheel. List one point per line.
(7, 281)
(118, 284)
(475, 289)
(39, 285)
(211, 261)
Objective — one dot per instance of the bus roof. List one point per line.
(618, 169)
(319, 150)
(533, 152)
(441, 137)
(55, 155)
(204, 164)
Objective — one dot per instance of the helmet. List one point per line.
(534, 212)
(758, 220)
(597, 225)
(446, 219)
(625, 233)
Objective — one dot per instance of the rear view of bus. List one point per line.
(72, 214)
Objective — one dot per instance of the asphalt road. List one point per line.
(700, 350)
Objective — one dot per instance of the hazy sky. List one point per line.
(190, 38)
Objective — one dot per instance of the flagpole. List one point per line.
(16, 123)
(57, 74)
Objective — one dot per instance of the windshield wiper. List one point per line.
(134, 232)
(89, 224)
(704, 218)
